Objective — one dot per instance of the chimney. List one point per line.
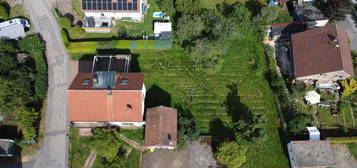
(171, 142)
(109, 90)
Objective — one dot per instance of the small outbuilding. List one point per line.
(310, 154)
(312, 97)
(161, 128)
(163, 30)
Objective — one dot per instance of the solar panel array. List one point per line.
(109, 5)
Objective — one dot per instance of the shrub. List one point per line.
(27, 119)
(35, 47)
(106, 143)
(232, 154)
(337, 9)
(299, 123)
(4, 11)
(205, 56)
(342, 140)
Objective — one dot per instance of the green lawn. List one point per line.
(134, 134)
(205, 95)
(353, 149)
(79, 149)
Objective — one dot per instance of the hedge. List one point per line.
(343, 140)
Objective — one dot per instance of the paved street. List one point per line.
(55, 148)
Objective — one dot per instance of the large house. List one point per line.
(131, 9)
(322, 54)
(107, 95)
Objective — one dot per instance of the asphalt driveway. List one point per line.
(54, 152)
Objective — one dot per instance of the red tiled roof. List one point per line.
(97, 105)
(161, 122)
(315, 51)
(135, 81)
(125, 104)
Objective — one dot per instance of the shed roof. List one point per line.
(161, 126)
(321, 50)
(162, 27)
(311, 154)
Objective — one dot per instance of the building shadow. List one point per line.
(157, 96)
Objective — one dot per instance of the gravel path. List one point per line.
(196, 155)
(54, 152)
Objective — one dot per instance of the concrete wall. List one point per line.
(331, 76)
(291, 157)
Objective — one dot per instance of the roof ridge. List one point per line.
(339, 46)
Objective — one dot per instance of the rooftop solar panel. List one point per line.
(110, 5)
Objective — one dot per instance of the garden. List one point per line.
(110, 149)
(216, 74)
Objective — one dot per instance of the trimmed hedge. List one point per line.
(343, 140)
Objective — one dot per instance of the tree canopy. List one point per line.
(337, 9)
(232, 154)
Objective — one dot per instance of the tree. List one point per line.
(206, 56)
(167, 6)
(337, 9)
(4, 11)
(299, 123)
(268, 14)
(232, 154)
(349, 87)
(27, 119)
(106, 143)
(190, 7)
(187, 129)
(188, 28)
(31, 44)
(7, 62)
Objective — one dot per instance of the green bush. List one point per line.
(36, 48)
(343, 140)
(4, 11)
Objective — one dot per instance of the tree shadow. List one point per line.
(254, 6)
(220, 132)
(157, 96)
(235, 108)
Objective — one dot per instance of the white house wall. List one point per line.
(331, 76)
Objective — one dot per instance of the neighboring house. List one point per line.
(13, 29)
(163, 30)
(322, 54)
(100, 24)
(6, 148)
(119, 9)
(108, 95)
(306, 12)
(161, 128)
(311, 154)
